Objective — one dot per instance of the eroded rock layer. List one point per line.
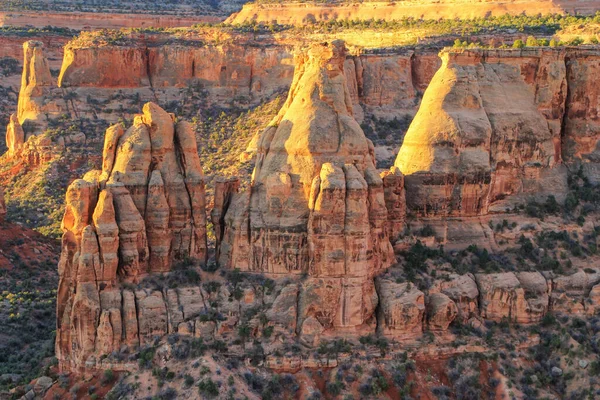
(316, 204)
(143, 211)
(498, 126)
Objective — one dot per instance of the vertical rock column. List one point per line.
(139, 215)
(316, 204)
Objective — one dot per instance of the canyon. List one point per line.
(343, 250)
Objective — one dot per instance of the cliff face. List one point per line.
(498, 126)
(143, 211)
(387, 83)
(316, 204)
(301, 13)
(229, 69)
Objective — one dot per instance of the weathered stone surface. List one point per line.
(569, 293)
(317, 203)
(139, 215)
(483, 139)
(401, 311)
(395, 201)
(441, 311)
(15, 136)
(462, 289)
(284, 309)
(521, 298)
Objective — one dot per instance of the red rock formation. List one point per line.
(34, 109)
(35, 80)
(521, 297)
(316, 204)
(401, 311)
(144, 210)
(487, 133)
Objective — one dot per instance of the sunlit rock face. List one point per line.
(316, 204)
(139, 215)
(37, 104)
(487, 134)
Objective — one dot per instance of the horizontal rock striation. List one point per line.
(316, 203)
(141, 213)
(405, 312)
(496, 127)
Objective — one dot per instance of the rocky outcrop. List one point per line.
(137, 216)
(441, 311)
(521, 297)
(316, 204)
(487, 133)
(35, 82)
(575, 294)
(395, 201)
(401, 310)
(34, 109)
(463, 291)
(300, 13)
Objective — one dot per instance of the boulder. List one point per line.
(401, 310)
(441, 311)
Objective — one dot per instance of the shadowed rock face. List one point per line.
(487, 134)
(316, 204)
(143, 211)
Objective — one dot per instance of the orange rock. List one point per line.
(15, 137)
(316, 204)
(132, 218)
(482, 139)
(441, 311)
(401, 310)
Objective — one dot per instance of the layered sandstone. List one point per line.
(137, 216)
(316, 203)
(300, 13)
(487, 134)
(34, 107)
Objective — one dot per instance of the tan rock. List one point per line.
(152, 315)
(15, 136)
(316, 204)
(441, 311)
(569, 292)
(157, 224)
(284, 311)
(481, 140)
(462, 289)
(132, 218)
(36, 77)
(401, 310)
(522, 299)
(395, 201)
(107, 230)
